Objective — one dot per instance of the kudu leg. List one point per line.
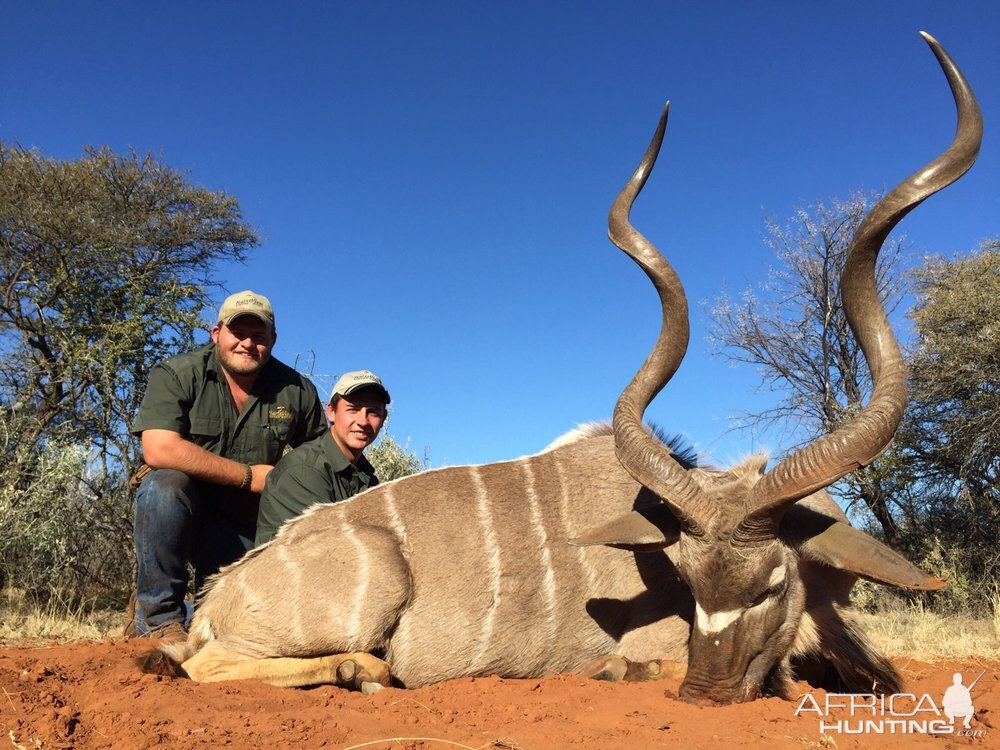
(614, 668)
(357, 671)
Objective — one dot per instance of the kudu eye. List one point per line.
(774, 590)
(760, 599)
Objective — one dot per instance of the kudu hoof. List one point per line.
(363, 672)
(370, 688)
(613, 668)
(346, 672)
(607, 668)
(657, 669)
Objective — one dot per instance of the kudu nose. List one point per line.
(707, 694)
(709, 691)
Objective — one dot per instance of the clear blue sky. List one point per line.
(431, 180)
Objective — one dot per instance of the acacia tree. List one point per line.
(796, 334)
(951, 434)
(104, 266)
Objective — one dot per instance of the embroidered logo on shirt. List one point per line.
(280, 413)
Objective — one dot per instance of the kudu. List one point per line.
(514, 569)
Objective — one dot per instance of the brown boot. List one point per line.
(130, 629)
(172, 632)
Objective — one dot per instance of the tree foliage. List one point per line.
(951, 433)
(955, 369)
(105, 266)
(796, 334)
(393, 460)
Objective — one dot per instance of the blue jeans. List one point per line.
(175, 525)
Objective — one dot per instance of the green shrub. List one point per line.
(392, 460)
(64, 527)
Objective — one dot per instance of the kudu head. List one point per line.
(739, 536)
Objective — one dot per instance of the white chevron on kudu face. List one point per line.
(717, 621)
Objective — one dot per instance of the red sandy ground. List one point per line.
(89, 695)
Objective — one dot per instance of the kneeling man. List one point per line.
(331, 467)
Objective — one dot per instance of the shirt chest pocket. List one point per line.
(206, 432)
(276, 436)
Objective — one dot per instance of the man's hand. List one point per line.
(260, 472)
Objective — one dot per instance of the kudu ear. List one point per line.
(645, 530)
(820, 538)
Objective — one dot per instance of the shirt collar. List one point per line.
(342, 463)
(213, 365)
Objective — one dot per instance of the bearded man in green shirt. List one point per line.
(333, 466)
(213, 422)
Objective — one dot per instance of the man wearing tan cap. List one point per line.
(213, 423)
(333, 466)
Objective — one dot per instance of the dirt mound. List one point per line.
(90, 695)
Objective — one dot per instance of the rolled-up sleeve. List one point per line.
(166, 404)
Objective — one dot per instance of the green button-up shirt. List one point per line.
(188, 394)
(316, 472)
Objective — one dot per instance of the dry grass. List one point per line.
(919, 634)
(24, 622)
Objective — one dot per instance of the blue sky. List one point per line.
(431, 180)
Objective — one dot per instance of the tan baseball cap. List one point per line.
(246, 303)
(353, 381)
